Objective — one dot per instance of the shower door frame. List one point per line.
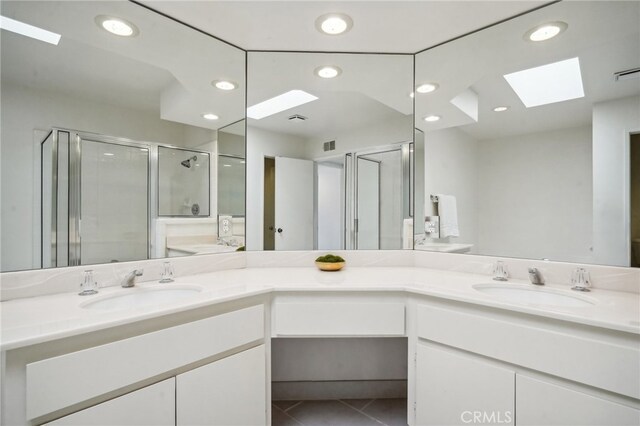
(351, 186)
(74, 199)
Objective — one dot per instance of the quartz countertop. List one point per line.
(41, 319)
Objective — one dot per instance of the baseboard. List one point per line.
(341, 389)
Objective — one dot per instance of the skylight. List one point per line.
(29, 30)
(548, 84)
(290, 99)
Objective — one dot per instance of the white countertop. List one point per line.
(35, 320)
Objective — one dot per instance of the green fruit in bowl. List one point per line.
(330, 258)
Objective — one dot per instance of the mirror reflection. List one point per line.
(528, 138)
(110, 141)
(329, 151)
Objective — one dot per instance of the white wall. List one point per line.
(612, 123)
(25, 110)
(451, 167)
(330, 206)
(534, 195)
(384, 133)
(260, 144)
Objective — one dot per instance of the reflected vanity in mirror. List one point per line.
(110, 142)
(329, 151)
(531, 139)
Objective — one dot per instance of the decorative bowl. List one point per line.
(330, 266)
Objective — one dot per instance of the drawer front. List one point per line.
(592, 361)
(154, 405)
(339, 319)
(62, 381)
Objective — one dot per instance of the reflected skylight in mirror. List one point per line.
(29, 30)
(288, 100)
(548, 84)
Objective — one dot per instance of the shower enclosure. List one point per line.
(95, 199)
(373, 190)
(183, 182)
(99, 195)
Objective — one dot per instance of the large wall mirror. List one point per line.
(329, 151)
(530, 145)
(110, 142)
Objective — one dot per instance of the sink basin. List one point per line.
(530, 295)
(141, 297)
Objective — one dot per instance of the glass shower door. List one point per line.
(382, 198)
(114, 202)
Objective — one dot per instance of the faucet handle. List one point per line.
(500, 271)
(88, 285)
(580, 279)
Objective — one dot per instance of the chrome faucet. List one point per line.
(535, 276)
(130, 279)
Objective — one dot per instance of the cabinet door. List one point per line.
(454, 388)
(541, 403)
(231, 391)
(150, 406)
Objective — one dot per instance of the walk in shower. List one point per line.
(99, 195)
(364, 199)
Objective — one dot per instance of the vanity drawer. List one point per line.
(339, 319)
(597, 357)
(68, 379)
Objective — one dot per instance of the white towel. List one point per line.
(448, 213)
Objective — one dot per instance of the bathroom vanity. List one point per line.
(205, 358)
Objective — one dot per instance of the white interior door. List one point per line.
(294, 204)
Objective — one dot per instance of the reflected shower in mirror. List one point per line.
(137, 111)
(328, 151)
(527, 142)
(183, 182)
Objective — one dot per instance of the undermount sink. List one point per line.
(141, 297)
(528, 294)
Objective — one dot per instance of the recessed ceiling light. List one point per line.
(109, 154)
(242, 162)
(431, 118)
(501, 108)
(210, 116)
(545, 31)
(427, 88)
(118, 26)
(334, 23)
(328, 71)
(227, 165)
(290, 99)
(29, 30)
(412, 95)
(224, 84)
(547, 84)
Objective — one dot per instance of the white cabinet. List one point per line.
(231, 391)
(454, 388)
(150, 406)
(543, 403)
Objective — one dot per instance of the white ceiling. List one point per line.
(378, 26)
(370, 89)
(605, 36)
(166, 69)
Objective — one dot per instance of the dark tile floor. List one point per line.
(343, 412)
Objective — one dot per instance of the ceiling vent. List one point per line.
(297, 117)
(627, 75)
(329, 146)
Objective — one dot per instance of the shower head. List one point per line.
(187, 163)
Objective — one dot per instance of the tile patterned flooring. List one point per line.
(340, 412)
